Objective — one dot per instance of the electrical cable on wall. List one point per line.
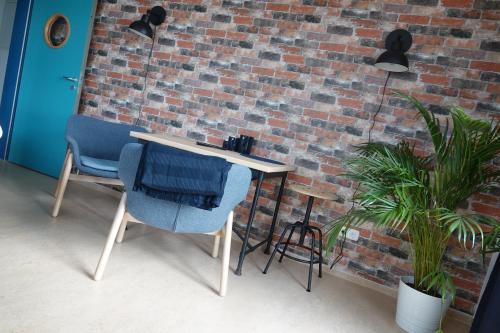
(374, 120)
(144, 88)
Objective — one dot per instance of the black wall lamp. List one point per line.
(394, 59)
(142, 27)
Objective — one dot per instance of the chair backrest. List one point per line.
(98, 138)
(175, 217)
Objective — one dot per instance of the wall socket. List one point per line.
(351, 234)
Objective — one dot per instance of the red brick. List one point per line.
(457, 3)
(332, 47)
(300, 179)
(303, 9)
(428, 40)
(137, 65)
(224, 96)
(181, 58)
(351, 49)
(386, 240)
(352, 103)
(435, 79)
(278, 123)
(114, 75)
(151, 110)
(185, 44)
(486, 66)
(162, 55)
(370, 33)
(414, 19)
(316, 114)
(493, 88)
(462, 43)
(293, 59)
(216, 33)
(446, 21)
(277, 7)
(428, 98)
(263, 71)
(287, 75)
(464, 305)
(331, 170)
(491, 15)
(228, 81)
(237, 35)
(173, 101)
(486, 209)
(487, 25)
(243, 19)
(203, 92)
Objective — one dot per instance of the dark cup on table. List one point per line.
(246, 143)
(233, 143)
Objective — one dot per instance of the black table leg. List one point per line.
(276, 212)
(243, 251)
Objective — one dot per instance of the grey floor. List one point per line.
(155, 281)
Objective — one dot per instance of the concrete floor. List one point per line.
(155, 281)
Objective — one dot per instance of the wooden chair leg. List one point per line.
(111, 238)
(215, 249)
(56, 192)
(121, 231)
(226, 254)
(64, 182)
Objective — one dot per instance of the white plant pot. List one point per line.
(418, 312)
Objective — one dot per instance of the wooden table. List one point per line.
(262, 169)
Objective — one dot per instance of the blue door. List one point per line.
(49, 90)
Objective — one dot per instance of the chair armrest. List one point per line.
(130, 157)
(75, 149)
(237, 185)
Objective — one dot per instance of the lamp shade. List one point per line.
(392, 61)
(142, 27)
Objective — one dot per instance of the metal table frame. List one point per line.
(246, 248)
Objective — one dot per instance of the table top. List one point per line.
(312, 192)
(230, 156)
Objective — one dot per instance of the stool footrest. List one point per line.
(305, 261)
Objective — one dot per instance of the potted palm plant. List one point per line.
(421, 196)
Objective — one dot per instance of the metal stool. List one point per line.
(316, 256)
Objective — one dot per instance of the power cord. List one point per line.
(374, 120)
(143, 98)
(379, 108)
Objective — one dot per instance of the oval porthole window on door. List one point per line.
(57, 30)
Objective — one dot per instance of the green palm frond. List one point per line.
(491, 241)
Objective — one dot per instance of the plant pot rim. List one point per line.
(410, 279)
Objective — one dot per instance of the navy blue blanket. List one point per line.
(183, 177)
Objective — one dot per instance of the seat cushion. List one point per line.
(99, 164)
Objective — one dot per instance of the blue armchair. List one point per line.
(135, 206)
(94, 148)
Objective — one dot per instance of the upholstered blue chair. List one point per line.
(94, 147)
(135, 206)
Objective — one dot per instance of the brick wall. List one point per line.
(298, 76)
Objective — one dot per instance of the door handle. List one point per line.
(71, 78)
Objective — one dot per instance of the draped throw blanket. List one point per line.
(183, 177)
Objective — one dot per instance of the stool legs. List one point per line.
(287, 242)
(277, 246)
(311, 262)
(320, 249)
(304, 230)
